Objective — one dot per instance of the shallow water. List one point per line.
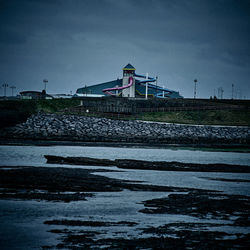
(22, 221)
(22, 225)
(34, 155)
(187, 180)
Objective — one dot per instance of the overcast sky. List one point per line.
(74, 43)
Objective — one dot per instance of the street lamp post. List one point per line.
(156, 83)
(5, 85)
(195, 81)
(45, 81)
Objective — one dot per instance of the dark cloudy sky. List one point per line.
(76, 42)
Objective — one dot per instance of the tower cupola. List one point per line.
(128, 70)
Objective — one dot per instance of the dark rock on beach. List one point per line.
(43, 195)
(180, 166)
(79, 223)
(200, 204)
(148, 165)
(186, 240)
(55, 183)
(79, 160)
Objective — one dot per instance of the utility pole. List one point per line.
(5, 85)
(12, 88)
(156, 82)
(195, 81)
(45, 81)
(146, 86)
(232, 91)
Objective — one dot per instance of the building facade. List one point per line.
(146, 88)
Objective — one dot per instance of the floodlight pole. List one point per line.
(5, 85)
(156, 82)
(45, 81)
(195, 81)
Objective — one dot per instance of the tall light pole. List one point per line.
(156, 82)
(12, 88)
(5, 85)
(45, 81)
(146, 94)
(195, 81)
(232, 91)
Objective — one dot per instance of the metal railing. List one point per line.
(136, 110)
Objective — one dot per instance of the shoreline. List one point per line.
(239, 148)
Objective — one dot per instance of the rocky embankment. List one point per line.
(92, 129)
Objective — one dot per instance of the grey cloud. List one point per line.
(11, 37)
(74, 40)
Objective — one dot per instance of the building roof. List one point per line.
(129, 67)
(36, 94)
(30, 92)
(97, 89)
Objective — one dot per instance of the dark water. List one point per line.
(33, 155)
(22, 225)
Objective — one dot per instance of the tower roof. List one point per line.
(129, 67)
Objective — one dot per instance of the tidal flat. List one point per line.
(62, 206)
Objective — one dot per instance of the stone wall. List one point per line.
(92, 129)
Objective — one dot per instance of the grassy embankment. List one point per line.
(203, 117)
(12, 112)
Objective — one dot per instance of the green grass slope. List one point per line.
(204, 117)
